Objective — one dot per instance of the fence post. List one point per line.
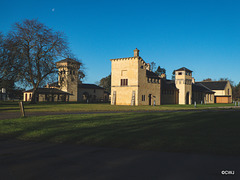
(22, 109)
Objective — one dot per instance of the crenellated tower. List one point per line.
(132, 82)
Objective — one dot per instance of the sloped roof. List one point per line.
(48, 91)
(214, 85)
(151, 74)
(68, 60)
(198, 87)
(168, 84)
(89, 86)
(184, 69)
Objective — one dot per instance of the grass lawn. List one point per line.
(189, 132)
(71, 107)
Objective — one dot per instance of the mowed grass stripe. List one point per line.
(190, 132)
(80, 107)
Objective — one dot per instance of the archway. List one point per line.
(187, 98)
(85, 96)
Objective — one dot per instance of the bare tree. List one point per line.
(236, 92)
(31, 50)
(152, 66)
(1, 56)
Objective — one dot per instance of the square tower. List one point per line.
(68, 77)
(183, 81)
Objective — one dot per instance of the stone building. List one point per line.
(202, 94)
(183, 81)
(169, 92)
(68, 87)
(222, 90)
(47, 94)
(133, 83)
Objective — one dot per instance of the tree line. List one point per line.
(28, 53)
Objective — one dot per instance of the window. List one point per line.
(124, 73)
(180, 73)
(228, 91)
(124, 82)
(143, 97)
(141, 67)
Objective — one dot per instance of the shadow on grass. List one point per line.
(190, 132)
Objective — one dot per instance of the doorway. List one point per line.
(150, 99)
(187, 98)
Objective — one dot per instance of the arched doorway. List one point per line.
(187, 98)
(85, 96)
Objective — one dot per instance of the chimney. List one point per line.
(136, 52)
(193, 80)
(48, 85)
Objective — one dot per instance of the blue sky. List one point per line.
(202, 35)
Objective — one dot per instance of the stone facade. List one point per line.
(133, 83)
(222, 90)
(183, 81)
(169, 92)
(68, 77)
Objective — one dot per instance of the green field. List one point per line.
(189, 132)
(73, 107)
